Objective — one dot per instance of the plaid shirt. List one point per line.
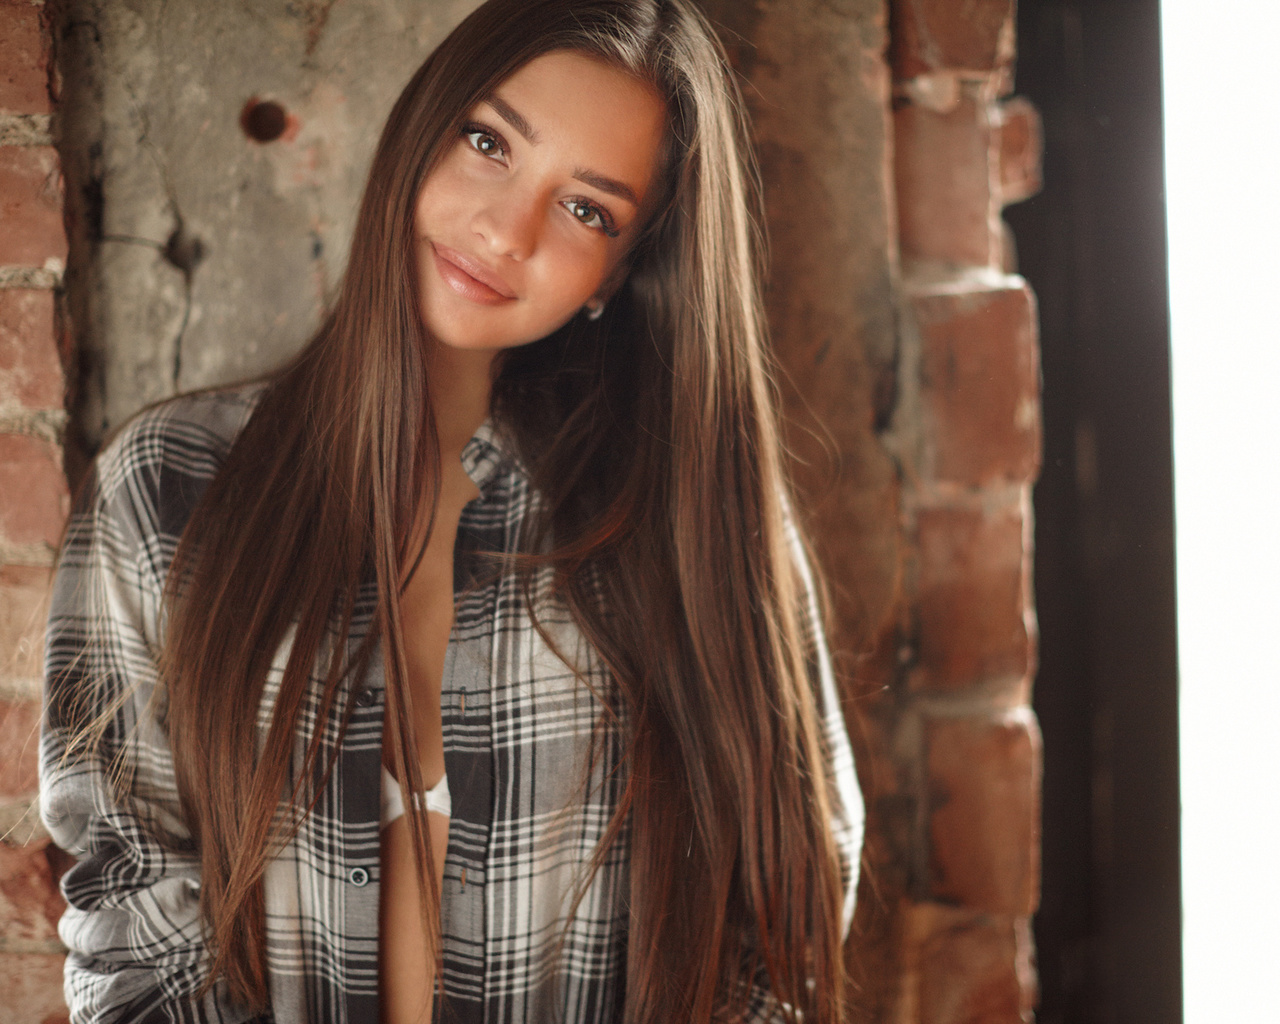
(517, 734)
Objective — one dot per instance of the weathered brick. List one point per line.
(942, 172)
(969, 968)
(30, 902)
(984, 812)
(30, 206)
(32, 987)
(972, 596)
(19, 747)
(871, 705)
(24, 61)
(980, 383)
(24, 596)
(33, 491)
(30, 370)
(960, 35)
(1021, 150)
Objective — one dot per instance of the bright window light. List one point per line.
(1222, 149)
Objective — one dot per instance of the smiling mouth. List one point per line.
(470, 279)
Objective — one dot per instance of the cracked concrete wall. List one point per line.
(200, 256)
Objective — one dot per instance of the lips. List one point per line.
(469, 278)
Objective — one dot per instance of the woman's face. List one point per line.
(531, 210)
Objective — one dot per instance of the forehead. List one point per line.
(591, 111)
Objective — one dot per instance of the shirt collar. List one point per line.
(488, 455)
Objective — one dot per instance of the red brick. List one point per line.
(972, 595)
(1021, 151)
(19, 747)
(950, 35)
(942, 172)
(984, 812)
(32, 987)
(24, 61)
(980, 379)
(30, 903)
(33, 491)
(30, 206)
(24, 596)
(30, 370)
(970, 968)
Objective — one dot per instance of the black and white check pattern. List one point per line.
(518, 729)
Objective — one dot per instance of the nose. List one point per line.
(509, 222)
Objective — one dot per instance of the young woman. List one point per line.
(472, 660)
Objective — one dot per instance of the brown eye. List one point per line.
(482, 141)
(592, 216)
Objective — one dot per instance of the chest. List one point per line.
(534, 763)
(533, 754)
(427, 600)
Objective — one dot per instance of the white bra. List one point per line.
(435, 799)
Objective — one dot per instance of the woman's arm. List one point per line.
(132, 925)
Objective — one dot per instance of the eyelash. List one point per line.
(469, 131)
(474, 132)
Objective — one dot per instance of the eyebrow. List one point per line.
(609, 185)
(520, 123)
(514, 118)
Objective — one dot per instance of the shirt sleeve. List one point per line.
(132, 925)
(847, 808)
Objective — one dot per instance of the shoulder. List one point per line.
(191, 432)
(153, 471)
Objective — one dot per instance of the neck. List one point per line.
(461, 384)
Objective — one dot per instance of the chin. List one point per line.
(476, 340)
(486, 337)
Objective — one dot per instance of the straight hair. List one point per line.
(662, 512)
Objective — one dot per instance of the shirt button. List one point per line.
(366, 698)
(359, 877)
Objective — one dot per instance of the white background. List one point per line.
(1222, 125)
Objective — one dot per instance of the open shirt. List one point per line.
(518, 729)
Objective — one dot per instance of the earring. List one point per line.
(595, 309)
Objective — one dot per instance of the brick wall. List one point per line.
(967, 436)
(33, 501)
(888, 147)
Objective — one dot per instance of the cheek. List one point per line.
(575, 272)
(441, 194)
(428, 209)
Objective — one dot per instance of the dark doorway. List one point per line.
(1092, 245)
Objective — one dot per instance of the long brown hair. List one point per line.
(672, 495)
